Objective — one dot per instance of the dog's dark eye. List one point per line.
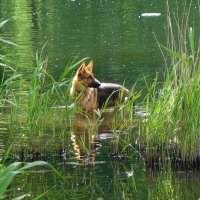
(89, 77)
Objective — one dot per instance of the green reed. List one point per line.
(173, 123)
(40, 104)
(123, 122)
(34, 103)
(37, 93)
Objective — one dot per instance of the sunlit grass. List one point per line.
(173, 123)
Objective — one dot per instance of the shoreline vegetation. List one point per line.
(173, 122)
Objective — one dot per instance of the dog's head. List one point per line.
(86, 77)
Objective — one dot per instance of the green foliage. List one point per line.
(8, 173)
(37, 96)
(174, 118)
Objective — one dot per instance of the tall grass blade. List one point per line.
(6, 155)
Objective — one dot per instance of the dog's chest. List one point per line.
(88, 99)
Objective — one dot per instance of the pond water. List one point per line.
(120, 37)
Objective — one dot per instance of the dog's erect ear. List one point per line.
(90, 66)
(81, 68)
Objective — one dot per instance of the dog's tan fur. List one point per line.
(85, 97)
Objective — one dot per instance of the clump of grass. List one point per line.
(122, 124)
(173, 123)
(34, 104)
(39, 105)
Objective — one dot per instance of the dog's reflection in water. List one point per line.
(84, 135)
(88, 131)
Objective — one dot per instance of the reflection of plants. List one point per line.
(164, 188)
(127, 177)
(5, 40)
(4, 68)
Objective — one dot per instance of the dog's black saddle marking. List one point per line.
(109, 91)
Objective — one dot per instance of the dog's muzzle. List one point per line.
(94, 84)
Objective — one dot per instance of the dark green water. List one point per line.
(122, 44)
(113, 33)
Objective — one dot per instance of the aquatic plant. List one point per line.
(7, 173)
(173, 123)
(36, 102)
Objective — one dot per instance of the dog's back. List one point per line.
(111, 94)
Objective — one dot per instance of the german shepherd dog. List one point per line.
(89, 94)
